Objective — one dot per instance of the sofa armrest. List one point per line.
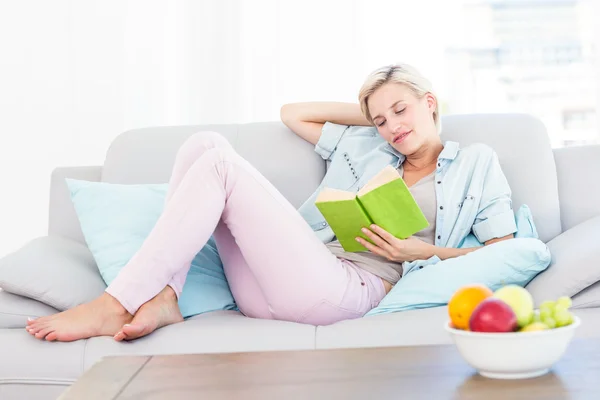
(62, 219)
(575, 263)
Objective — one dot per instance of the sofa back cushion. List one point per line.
(147, 156)
(526, 157)
(579, 190)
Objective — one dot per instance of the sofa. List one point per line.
(559, 186)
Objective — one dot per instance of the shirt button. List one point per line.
(441, 207)
(324, 223)
(420, 267)
(439, 182)
(439, 236)
(439, 165)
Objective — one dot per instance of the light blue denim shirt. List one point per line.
(473, 195)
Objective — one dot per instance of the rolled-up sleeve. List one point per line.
(495, 217)
(331, 134)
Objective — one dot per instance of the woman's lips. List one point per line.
(400, 138)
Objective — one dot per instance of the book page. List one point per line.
(329, 194)
(384, 176)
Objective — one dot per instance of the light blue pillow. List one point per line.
(515, 261)
(116, 219)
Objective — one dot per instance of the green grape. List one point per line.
(546, 313)
(562, 316)
(550, 322)
(548, 305)
(564, 301)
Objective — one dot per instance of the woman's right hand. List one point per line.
(307, 119)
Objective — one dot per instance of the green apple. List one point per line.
(519, 300)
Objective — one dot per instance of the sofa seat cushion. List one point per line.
(214, 332)
(14, 310)
(25, 360)
(406, 328)
(414, 328)
(27, 363)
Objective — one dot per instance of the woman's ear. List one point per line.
(431, 102)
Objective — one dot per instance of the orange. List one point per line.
(464, 301)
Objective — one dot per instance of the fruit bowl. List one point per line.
(513, 355)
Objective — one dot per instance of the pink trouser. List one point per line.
(275, 265)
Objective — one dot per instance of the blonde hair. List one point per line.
(403, 74)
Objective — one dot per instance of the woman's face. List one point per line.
(402, 119)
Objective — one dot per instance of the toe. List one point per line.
(34, 329)
(120, 336)
(52, 336)
(42, 334)
(41, 320)
(38, 327)
(36, 324)
(133, 331)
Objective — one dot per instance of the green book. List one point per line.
(385, 201)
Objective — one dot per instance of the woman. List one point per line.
(277, 265)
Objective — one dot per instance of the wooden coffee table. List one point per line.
(422, 372)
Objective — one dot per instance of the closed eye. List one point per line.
(400, 111)
(381, 123)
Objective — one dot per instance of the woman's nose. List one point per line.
(396, 128)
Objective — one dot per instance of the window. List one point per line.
(537, 57)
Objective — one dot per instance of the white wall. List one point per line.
(76, 73)
(60, 101)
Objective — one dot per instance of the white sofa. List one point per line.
(560, 186)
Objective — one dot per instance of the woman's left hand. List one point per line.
(394, 249)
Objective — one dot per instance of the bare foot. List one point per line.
(101, 317)
(161, 311)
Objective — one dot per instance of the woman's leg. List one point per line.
(297, 274)
(190, 152)
(266, 246)
(145, 320)
(294, 270)
(165, 302)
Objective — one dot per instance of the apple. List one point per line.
(493, 315)
(520, 300)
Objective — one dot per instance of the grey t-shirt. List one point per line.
(424, 193)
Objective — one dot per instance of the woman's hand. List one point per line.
(394, 249)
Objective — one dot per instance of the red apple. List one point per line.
(493, 315)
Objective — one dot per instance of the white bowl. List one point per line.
(514, 355)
